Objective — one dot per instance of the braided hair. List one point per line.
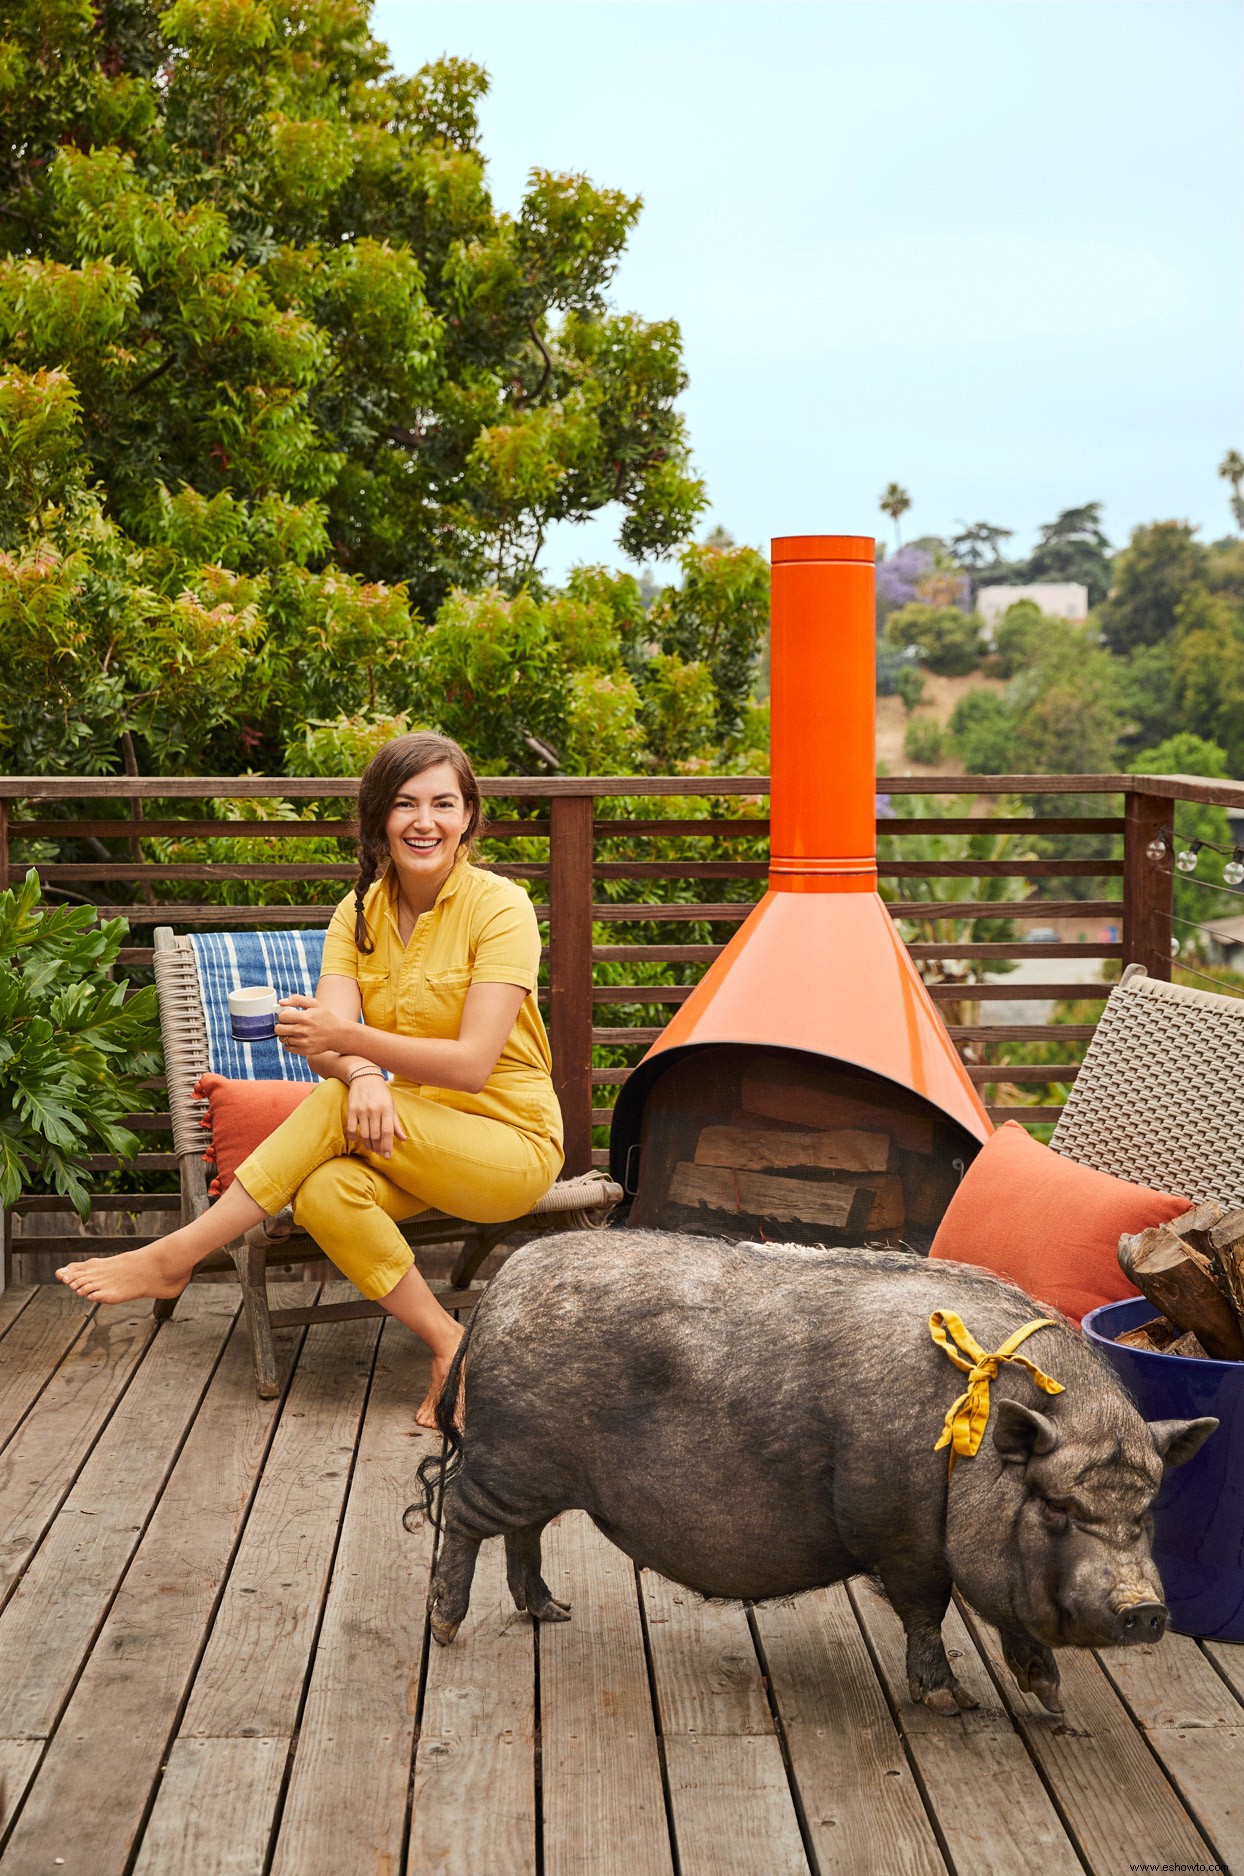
(383, 780)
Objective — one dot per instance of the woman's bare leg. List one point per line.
(164, 1267)
(414, 1305)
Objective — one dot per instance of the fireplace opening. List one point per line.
(771, 1143)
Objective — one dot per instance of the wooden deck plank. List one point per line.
(1170, 1683)
(12, 1303)
(732, 1807)
(214, 1813)
(1113, 1798)
(48, 1625)
(475, 1783)
(42, 1460)
(864, 1812)
(18, 1760)
(122, 1710)
(37, 1341)
(995, 1815)
(1228, 1659)
(345, 1809)
(251, 1678)
(604, 1807)
(1195, 1726)
(729, 1795)
(708, 1679)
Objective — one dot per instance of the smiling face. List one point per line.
(424, 827)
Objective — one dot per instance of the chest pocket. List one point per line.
(444, 994)
(376, 991)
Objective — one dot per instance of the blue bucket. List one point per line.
(1198, 1519)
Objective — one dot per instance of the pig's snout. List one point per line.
(1140, 1622)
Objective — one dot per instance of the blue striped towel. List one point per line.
(238, 960)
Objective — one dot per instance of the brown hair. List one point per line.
(383, 780)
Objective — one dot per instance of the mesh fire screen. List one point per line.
(766, 1143)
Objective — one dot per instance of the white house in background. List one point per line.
(1062, 599)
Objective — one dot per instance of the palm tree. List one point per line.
(895, 501)
(1231, 469)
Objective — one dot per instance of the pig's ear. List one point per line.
(1019, 1432)
(1178, 1440)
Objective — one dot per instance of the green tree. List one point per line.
(281, 378)
(1197, 896)
(1150, 577)
(946, 639)
(717, 617)
(924, 741)
(982, 727)
(1207, 669)
(1231, 469)
(894, 501)
(1073, 547)
(1066, 704)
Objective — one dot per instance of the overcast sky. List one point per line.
(991, 249)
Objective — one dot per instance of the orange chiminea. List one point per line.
(807, 1088)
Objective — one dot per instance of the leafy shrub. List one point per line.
(924, 741)
(73, 1051)
(948, 641)
(1015, 639)
(910, 686)
(983, 727)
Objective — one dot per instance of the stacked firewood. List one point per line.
(1192, 1270)
(807, 1156)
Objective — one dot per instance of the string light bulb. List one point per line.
(1186, 861)
(1233, 871)
(1157, 849)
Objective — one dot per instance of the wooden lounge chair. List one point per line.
(571, 1204)
(1158, 1099)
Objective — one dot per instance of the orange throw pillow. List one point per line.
(1047, 1223)
(242, 1114)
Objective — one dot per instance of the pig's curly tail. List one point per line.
(438, 1469)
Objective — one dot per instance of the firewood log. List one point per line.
(1227, 1246)
(760, 1195)
(1188, 1345)
(749, 1149)
(1195, 1227)
(1179, 1281)
(1156, 1336)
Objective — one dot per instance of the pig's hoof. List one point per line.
(1035, 1670)
(540, 1602)
(443, 1631)
(945, 1700)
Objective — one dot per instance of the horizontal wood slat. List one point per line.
(656, 954)
(1008, 992)
(237, 830)
(1015, 950)
(1021, 1032)
(996, 1072)
(73, 871)
(1027, 1116)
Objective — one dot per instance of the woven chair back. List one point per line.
(1158, 1098)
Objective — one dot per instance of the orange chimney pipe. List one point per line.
(823, 825)
(818, 967)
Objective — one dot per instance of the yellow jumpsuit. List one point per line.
(486, 1156)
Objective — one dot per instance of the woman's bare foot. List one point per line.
(152, 1271)
(425, 1415)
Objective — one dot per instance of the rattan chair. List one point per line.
(1158, 1097)
(571, 1204)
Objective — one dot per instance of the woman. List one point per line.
(440, 959)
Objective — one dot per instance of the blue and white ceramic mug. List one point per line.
(252, 1014)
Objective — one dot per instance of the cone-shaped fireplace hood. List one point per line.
(818, 968)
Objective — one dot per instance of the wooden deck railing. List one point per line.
(594, 853)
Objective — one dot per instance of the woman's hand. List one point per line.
(308, 1026)
(371, 1114)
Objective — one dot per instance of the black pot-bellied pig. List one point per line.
(757, 1420)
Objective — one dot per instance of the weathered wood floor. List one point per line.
(213, 1658)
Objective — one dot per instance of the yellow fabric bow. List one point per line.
(966, 1418)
